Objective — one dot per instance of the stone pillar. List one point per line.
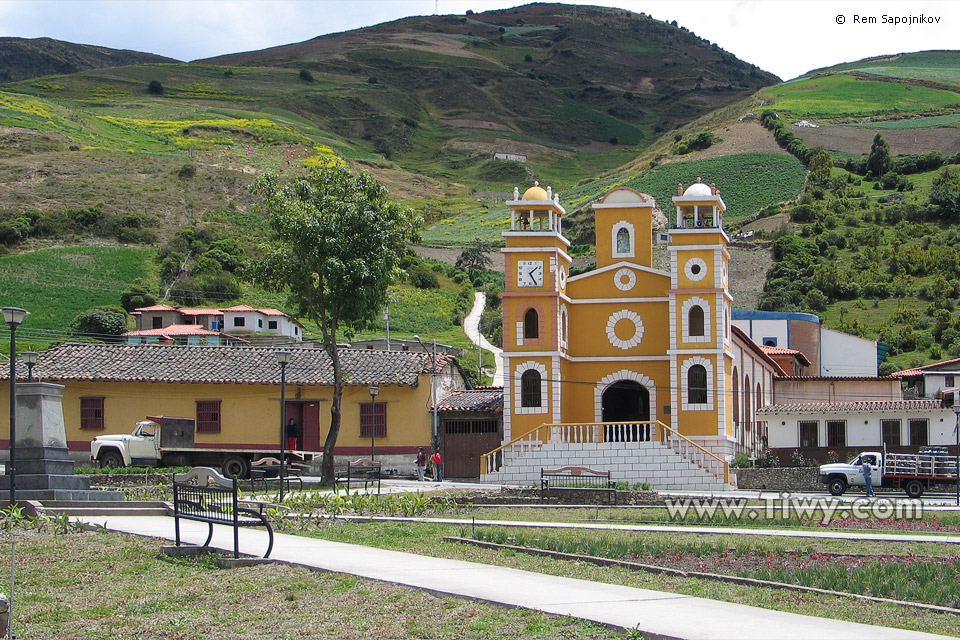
(44, 468)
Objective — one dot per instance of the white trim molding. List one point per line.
(629, 316)
(688, 304)
(625, 279)
(684, 384)
(517, 389)
(618, 376)
(695, 275)
(631, 238)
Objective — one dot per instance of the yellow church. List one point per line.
(625, 368)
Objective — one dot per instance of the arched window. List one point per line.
(695, 321)
(530, 388)
(697, 384)
(531, 324)
(623, 241)
(735, 397)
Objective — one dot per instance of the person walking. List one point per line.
(292, 433)
(421, 464)
(437, 461)
(866, 471)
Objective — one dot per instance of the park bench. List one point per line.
(203, 495)
(266, 469)
(576, 479)
(364, 470)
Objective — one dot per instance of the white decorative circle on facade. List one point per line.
(625, 279)
(627, 316)
(696, 269)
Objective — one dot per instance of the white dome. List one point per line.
(698, 189)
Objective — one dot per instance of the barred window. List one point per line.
(809, 433)
(836, 433)
(91, 413)
(373, 414)
(530, 389)
(208, 416)
(697, 384)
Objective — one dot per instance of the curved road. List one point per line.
(471, 326)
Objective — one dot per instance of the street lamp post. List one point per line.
(30, 357)
(956, 432)
(13, 316)
(283, 357)
(374, 390)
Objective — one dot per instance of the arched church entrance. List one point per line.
(626, 401)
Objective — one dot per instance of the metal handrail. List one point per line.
(724, 463)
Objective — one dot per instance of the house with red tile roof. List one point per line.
(235, 393)
(239, 319)
(183, 334)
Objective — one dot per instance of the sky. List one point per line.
(785, 37)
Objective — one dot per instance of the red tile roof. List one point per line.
(863, 406)
(919, 371)
(174, 330)
(783, 351)
(480, 399)
(227, 365)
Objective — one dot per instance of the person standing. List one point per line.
(866, 471)
(292, 433)
(437, 466)
(421, 464)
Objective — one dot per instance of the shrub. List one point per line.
(797, 459)
(306, 76)
(100, 322)
(423, 278)
(768, 459)
(741, 461)
(155, 87)
(187, 171)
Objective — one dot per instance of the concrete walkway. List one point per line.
(667, 615)
(471, 326)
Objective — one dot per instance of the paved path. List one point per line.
(663, 614)
(471, 326)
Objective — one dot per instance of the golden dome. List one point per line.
(536, 192)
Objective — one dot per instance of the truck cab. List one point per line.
(838, 476)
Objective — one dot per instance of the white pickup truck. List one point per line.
(169, 441)
(912, 472)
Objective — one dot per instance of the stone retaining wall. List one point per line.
(779, 479)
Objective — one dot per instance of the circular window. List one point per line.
(696, 269)
(625, 279)
(631, 329)
(562, 277)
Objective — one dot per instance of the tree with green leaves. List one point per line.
(101, 323)
(474, 257)
(879, 161)
(820, 165)
(338, 244)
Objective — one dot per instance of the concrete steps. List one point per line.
(87, 508)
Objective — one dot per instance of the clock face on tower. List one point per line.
(530, 273)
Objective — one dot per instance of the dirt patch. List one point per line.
(902, 141)
(477, 124)
(748, 272)
(503, 145)
(740, 137)
(450, 255)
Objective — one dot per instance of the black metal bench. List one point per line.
(576, 479)
(364, 470)
(203, 495)
(266, 469)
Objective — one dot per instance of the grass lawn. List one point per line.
(109, 586)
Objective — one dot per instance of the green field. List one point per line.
(54, 285)
(747, 182)
(940, 67)
(843, 95)
(931, 122)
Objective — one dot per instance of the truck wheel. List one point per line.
(914, 489)
(234, 466)
(110, 458)
(837, 486)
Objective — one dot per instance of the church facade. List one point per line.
(626, 342)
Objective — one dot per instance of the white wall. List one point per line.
(760, 329)
(842, 354)
(863, 428)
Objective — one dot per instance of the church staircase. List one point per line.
(633, 452)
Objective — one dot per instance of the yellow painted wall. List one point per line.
(642, 220)
(250, 414)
